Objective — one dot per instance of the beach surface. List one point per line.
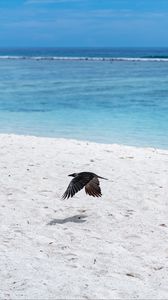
(115, 246)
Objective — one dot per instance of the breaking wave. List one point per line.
(68, 58)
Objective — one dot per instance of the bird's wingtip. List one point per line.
(103, 178)
(63, 197)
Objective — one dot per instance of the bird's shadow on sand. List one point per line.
(74, 219)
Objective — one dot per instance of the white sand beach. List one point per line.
(111, 247)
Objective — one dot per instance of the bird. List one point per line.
(80, 180)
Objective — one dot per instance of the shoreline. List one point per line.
(85, 141)
(113, 247)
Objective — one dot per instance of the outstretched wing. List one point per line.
(76, 185)
(92, 188)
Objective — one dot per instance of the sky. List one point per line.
(84, 23)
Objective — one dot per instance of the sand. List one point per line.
(111, 247)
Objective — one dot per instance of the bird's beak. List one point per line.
(70, 175)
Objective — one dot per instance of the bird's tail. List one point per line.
(102, 177)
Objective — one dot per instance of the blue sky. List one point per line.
(83, 23)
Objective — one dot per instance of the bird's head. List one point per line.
(73, 175)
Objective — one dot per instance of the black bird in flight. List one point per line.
(84, 179)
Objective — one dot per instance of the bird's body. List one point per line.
(88, 180)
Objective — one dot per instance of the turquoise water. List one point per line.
(110, 101)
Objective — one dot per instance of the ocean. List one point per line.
(117, 95)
